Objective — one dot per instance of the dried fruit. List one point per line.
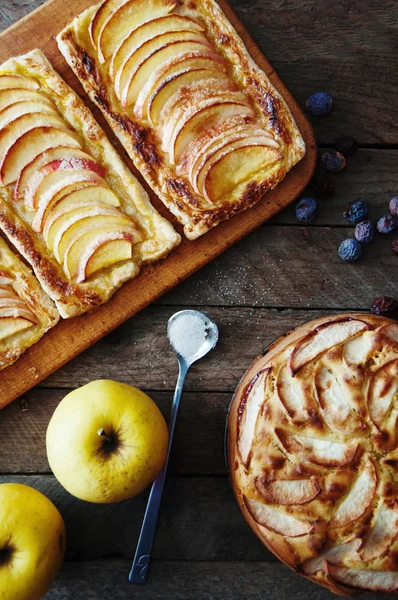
(323, 186)
(387, 224)
(346, 145)
(393, 206)
(350, 250)
(319, 103)
(333, 161)
(385, 305)
(365, 232)
(356, 211)
(306, 210)
(395, 246)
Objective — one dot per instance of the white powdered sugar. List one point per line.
(187, 334)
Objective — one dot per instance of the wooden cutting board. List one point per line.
(71, 337)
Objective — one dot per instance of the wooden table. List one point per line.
(278, 277)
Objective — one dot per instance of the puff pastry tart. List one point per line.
(313, 451)
(26, 312)
(200, 120)
(67, 202)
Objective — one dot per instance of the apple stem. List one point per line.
(102, 433)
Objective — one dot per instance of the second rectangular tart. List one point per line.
(67, 201)
(201, 121)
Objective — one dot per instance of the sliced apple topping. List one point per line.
(148, 31)
(293, 395)
(358, 498)
(108, 254)
(116, 22)
(322, 339)
(15, 315)
(5, 279)
(334, 555)
(12, 96)
(276, 520)
(376, 581)
(321, 452)
(12, 81)
(383, 392)
(390, 330)
(333, 392)
(384, 531)
(12, 326)
(16, 167)
(24, 107)
(288, 491)
(249, 412)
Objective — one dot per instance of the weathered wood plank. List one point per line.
(172, 580)
(199, 520)
(197, 446)
(344, 48)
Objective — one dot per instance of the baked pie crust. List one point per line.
(26, 312)
(313, 451)
(67, 201)
(199, 118)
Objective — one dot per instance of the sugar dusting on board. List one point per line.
(188, 333)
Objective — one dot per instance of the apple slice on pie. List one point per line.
(164, 73)
(26, 312)
(67, 202)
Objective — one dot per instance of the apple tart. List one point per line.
(313, 451)
(200, 120)
(26, 312)
(67, 201)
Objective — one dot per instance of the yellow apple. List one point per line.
(106, 442)
(32, 542)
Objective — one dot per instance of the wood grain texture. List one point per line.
(75, 335)
(98, 580)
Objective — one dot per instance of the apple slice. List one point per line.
(184, 61)
(382, 392)
(111, 30)
(288, 491)
(138, 76)
(180, 79)
(12, 326)
(24, 107)
(109, 254)
(148, 31)
(334, 556)
(323, 338)
(80, 252)
(235, 164)
(384, 531)
(358, 498)
(375, 581)
(79, 194)
(357, 350)
(12, 96)
(390, 330)
(292, 393)
(30, 171)
(276, 520)
(318, 451)
(8, 82)
(333, 393)
(11, 134)
(100, 17)
(32, 144)
(249, 411)
(52, 178)
(5, 278)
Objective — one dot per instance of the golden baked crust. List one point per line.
(25, 286)
(172, 180)
(312, 450)
(154, 236)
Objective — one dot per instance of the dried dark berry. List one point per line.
(356, 211)
(387, 224)
(395, 246)
(346, 145)
(333, 161)
(365, 232)
(306, 209)
(323, 186)
(393, 206)
(319, 103)
(384, 305)
(350, 250)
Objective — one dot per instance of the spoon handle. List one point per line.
(139, 570)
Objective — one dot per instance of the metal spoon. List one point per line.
(192, 335)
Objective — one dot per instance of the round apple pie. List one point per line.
(312, 448)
